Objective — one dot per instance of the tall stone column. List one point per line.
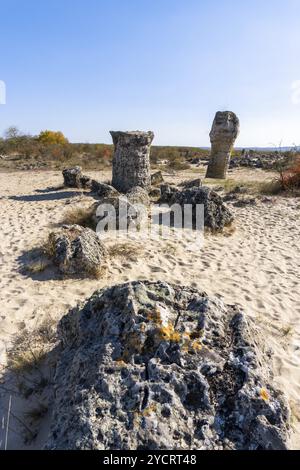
(131, 161)
(224, 132)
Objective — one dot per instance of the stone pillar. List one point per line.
(224, 132)
(131, 162)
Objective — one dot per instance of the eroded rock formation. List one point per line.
(77, 250)
(131, 161)
(223, 134)
(149, 365)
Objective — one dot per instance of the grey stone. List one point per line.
(216, 214)
(138, 195)
(150, 365)
(103, 190)
(223, 134)
(157, 178)
(197, 183)
(72, 177)
(131, 161)
(77, 250)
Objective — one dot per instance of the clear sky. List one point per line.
(88, 66)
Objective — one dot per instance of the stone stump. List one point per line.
(224, 132)
(131, 162)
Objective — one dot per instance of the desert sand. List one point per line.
(256, 266)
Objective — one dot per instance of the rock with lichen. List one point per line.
(150, 365)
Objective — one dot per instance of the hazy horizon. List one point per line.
(85, 68)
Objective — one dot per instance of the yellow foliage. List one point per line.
(52, 137)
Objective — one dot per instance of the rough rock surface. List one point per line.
(131, 161)
(103, 190)
(148, 365)
(197, 183)
(118, 213)
(216, 214)
(223, 134)
(157, 178)
(72, 177)
(77, 250)
(138, 195)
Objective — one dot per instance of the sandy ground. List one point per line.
(257, 266)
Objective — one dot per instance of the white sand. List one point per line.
(256, 267)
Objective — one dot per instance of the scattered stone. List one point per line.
(77, 250)
(118, 213)
(86, 182)
(131, 161)
(103, 190)
(150, 365)
(72, 177)
(216, 214)
(197, 183)
(167, 191)
(224, 132)
(155, 193)
(157, 178)
(245, 202)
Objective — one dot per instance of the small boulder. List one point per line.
(72, 177)
(77, 250)
(103, 190)
(197, 183)
(157, 178)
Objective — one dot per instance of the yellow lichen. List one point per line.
(169, 333)
(264, 394)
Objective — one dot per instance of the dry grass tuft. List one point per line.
(126, 250)
(29, 348)
(80, 216)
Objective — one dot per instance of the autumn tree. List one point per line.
(52, 137)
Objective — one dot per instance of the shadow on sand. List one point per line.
(52, 196)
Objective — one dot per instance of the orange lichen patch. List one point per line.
(154, 315)
(196, 345)
(264, 394)
(169, 333)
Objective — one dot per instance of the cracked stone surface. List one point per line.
(131, 161)
(150, 365)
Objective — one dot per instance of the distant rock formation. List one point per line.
(224, 132)
(77, 250)
(131, 161)
(150, 365)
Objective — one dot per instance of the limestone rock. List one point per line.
(72, 177)
(157, 178)
(77, 250)
(118, 213)
(149, 365)
(138, 195)
(197, 183)
(103, 190)
(216, 214)
(223, 134)
(131, 161)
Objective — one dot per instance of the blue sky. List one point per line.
(86, 67)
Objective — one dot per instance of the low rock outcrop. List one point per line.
(216, 214)
(149, 365)
(77, 250)
(103, 190)
(138, 195)
(157, 178)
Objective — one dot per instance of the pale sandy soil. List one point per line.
(257, 266)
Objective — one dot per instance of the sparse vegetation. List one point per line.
(80, 216)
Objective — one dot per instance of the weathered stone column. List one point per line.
(224, 132)
(131, 162)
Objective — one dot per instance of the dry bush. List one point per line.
(29, 348)
(80, 216)
(291, 177)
